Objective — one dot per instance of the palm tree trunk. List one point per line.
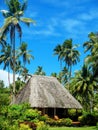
(70, 72)
(70, 68)
(61, 65)
(13, 43)
(9, 75)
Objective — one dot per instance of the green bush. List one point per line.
(68, 122)
(31, 114)
(51, 122)
(42, 126)
(3, 123)
(88, 119)
(6, 125)
(72, 112)
(24, 127)
(60, 122)
(43, 118)
(97, 126)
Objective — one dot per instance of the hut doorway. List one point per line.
(51, 112)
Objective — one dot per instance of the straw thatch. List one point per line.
(46, 92)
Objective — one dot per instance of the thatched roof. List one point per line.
(46, 92)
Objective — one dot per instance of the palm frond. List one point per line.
(27, 21)
(5, 13)
(24, 5)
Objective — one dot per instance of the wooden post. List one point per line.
(43, 111)
(54, 111)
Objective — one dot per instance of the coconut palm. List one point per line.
(58, 51)
(83, 86)
(6, 58)
(54, 74)
(70, 54)
(65, 74)
(25, 74)
(19, 85)
(26, 56)
(89, 45)
(12, 18)
(92, 58)
(40, 71)
(62, 76)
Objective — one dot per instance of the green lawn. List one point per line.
(72, 128)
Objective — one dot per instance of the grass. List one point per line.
(72, 128)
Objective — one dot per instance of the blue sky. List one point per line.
(56, 21)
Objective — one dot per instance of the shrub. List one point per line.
(4, 124)
(97, 126)
(42, 126)
(31, 114)
(88, 119)
(68, 122)
(43, 118)
(30, 124)
(51, 122)
(24, 127)
(80, 118)
(71, 112)
(60, 122)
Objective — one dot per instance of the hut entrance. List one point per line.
(51, 112)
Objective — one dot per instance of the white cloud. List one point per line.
(4, 77)
(92, 14)
(72, 25)
(46, 28)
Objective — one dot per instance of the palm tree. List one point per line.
(83, 86)
(26, 56)
(58, 51)
(62, 76)
(92, 59)
(65, 74)
(40, 71)
(12, 18)
(6, 58)
(25, 74)
(89, 45)
(70, 54)
(54, 74)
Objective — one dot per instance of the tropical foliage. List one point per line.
(83, 84)
(13, 16)
(68, 54)
(39, 71)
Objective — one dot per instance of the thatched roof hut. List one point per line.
(46, 92)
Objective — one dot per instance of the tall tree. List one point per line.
(58, 51)
(40, 71)
(89, 45)
(67, 53)
(92, 58)
(70, 54)
(6, 58)
(26, 56)
(12, 18)
(62, 76)
(83, 86)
